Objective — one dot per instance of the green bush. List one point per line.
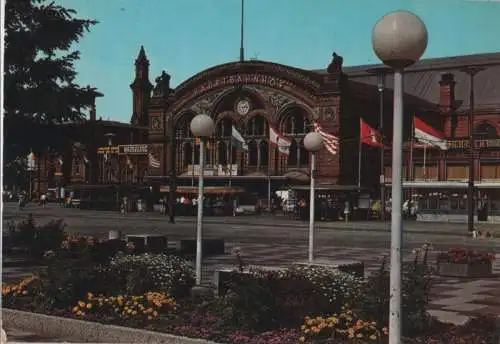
(159, 272)
(264, 300)
(416, 283)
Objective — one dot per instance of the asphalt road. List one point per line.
(264, 229)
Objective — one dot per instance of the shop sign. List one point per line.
(133, 149)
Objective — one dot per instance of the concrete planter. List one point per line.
(209, 247)
(470, 270)
(149, 243)
(222, 277)
(85, 331)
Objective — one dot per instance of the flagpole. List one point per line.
(360, 149)
(412, 139)
(242, 48)
(230, 161)
(425, 162)
(192, 163)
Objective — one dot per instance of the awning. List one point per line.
(219, 190)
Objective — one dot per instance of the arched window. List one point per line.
(264, 153)
(252, 153)
(257, 126)
(295, 126)
(222, 152)
(292, 156)
(188, 153)
(183, 127)
(486, 131)
(196, 154)
(224, 128)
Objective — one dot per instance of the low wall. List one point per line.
(86, 331)
(458, 218)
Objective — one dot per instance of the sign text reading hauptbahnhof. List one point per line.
(461, 144)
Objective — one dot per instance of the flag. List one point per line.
(237, 140)
(427, 135)
(283, 143)
(331, 142)
(153, 162)
(60, 161)
(85, 159)
(368, 135)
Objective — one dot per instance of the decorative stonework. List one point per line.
(276, 100)
(156, 124)
(328, 113)
(204, 104)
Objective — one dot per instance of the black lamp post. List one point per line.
(471, 71)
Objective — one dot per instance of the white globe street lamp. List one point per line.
(399, 39)
(313, 142)
(202, 126)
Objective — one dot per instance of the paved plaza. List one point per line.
(275, 241)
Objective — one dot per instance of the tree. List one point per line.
(39, 77)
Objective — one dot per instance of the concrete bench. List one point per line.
(208, 247)
(149, 243)
(221, 276)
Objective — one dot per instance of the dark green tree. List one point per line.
(40, 90)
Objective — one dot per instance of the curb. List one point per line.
(86, 331)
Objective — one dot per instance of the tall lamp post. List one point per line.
(471, 71)
(109, 136)
(399, 39)
(202, 126)
(313, 142)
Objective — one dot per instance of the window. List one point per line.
(485, 131)
(457, 172)
(490, 172)
(427, 173)
(252, 153)
(257, 126)
(264, 153)
(295, 126)
(222, 152)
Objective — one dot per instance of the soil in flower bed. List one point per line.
(189, 322)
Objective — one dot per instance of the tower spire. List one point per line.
(142, 56)
(242, 49)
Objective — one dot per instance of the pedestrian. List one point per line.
(62, 197)
(43, 200)
(347, 211)
(302, 209)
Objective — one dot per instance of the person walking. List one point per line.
(43, 200)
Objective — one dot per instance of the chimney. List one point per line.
(446, 92)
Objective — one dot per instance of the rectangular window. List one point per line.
(430, 172)
(457, 172)
(490, 172)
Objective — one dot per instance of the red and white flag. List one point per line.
(283, 143)
(331, 142)
(428, 136)
(153, 162)
(368, 135)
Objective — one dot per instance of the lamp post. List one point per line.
(471, 71)
(399, 39)
(202, 126)
(109, 136)
(313, 142)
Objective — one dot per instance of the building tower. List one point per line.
(141, 90)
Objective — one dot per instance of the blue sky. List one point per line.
(185, 37)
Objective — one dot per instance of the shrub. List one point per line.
(137, 308)
(374, 302)
(343, 326)
(264, 300)
(161, 272)
(14, 294)
(463, 256)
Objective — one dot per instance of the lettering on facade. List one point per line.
(133, 149)
(462, 144)
(258, 79)
(107, 149)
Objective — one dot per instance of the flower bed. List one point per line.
(465, 263)
(309, 304)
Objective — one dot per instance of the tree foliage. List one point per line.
(39, 77)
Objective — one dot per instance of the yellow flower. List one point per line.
(155, 313)
(89, 305)
(75, 309)
(90, 296)
(302, 339)
(373, 337)
(81, 304)
(359, 335)
(315, 329)
(25, 292)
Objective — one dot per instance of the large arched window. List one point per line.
(253, 153)
(257, 130)
(184, 152)
(295, 126)
(222, 152)
(486, 131)
(225, 153)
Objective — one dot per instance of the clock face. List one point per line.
(243, 107)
